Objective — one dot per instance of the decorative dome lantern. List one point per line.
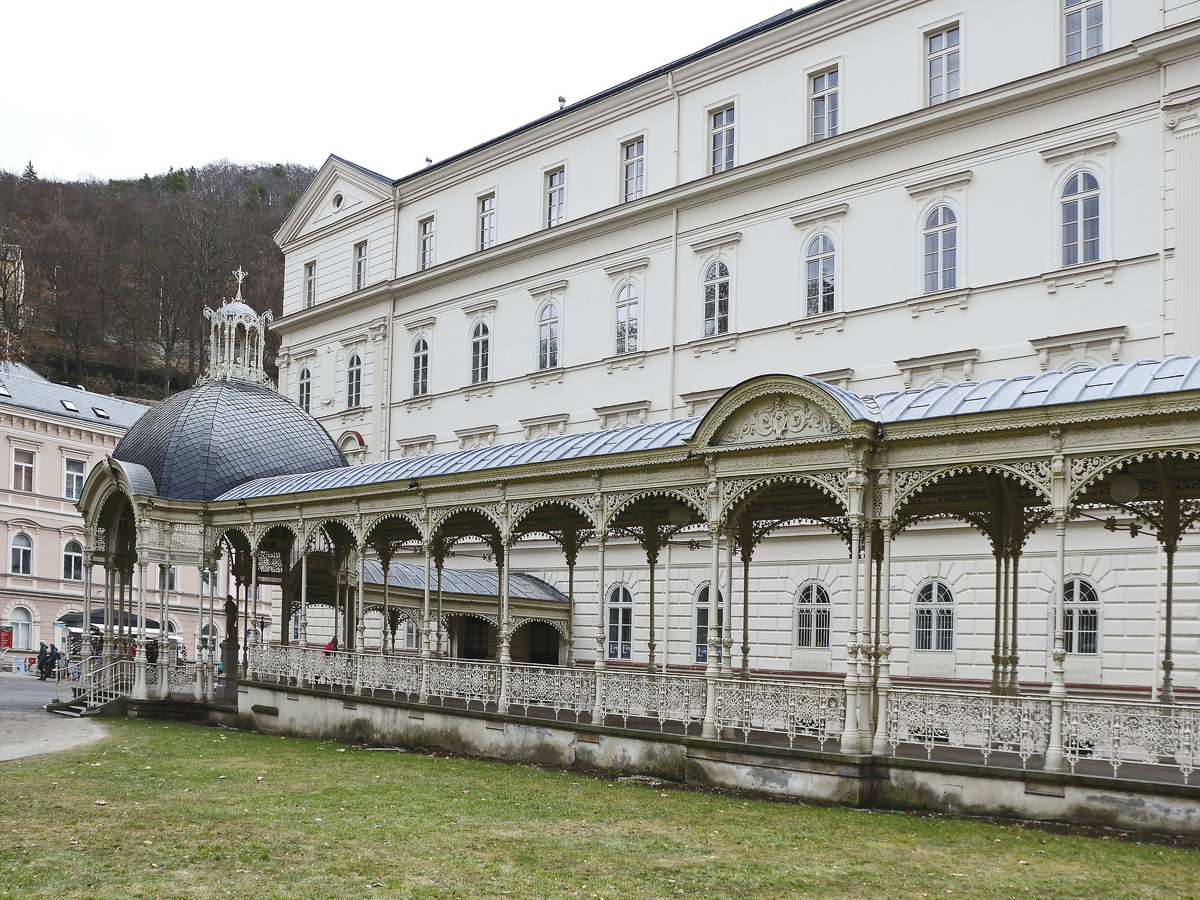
(236, 340)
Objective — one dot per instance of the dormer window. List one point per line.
(100, 412)
(69, 406)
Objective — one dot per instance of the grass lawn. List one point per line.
(167, 810)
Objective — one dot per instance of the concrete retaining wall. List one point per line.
(847, 780)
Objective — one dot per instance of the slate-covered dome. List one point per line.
(201, 442)
(231, 428)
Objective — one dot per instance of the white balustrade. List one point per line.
(462, 680)
(567, 690)
(981, 722)
(1120, 733)
(663, 698)
(781, 707)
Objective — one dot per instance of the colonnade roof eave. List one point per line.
(469, 582)
(1143, 378)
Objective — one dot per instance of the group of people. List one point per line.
(47, 661)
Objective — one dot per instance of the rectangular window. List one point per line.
(487, 221)
(941, 65)
(633, 169)
(1084, 29)
(310, 284)
(22, 479)
(824, 104)
(412, 636)
(425, 242)
(360, 266)
(73, 478)
(556, 197)
(722, 139)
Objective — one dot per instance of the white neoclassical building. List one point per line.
(834, 383)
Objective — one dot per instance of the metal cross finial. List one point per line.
(240, 275)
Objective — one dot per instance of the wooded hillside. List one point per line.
(117, 273)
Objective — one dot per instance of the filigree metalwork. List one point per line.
(780, 418)
(565, 690)
(982, 722)
(660, 698)
(789, 708)
(1117, 733)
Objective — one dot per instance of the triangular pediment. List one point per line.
(778, 408)
(340, 190)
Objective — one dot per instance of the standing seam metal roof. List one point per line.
(31, 391)
(1138, 379)
(474, 582)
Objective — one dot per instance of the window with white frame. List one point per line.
(627, 318)
(21, 621)
(717, 297)
(73, 561)
(721, 133)
(934, 610)
(703, 618)
(487, 221)
(556, 197)
(310, 283)
(1080, 211)
(425, 241)
(823, 103)
(360, 265)
(1083, 29)
(942, 64)
(548, 337)
(353, 381)
(172, 577)
(633, 169)
(295, 624)
(480, 353)
(22, 477)
(1081, 617)
(819, 265)
(412, 635)
(22, 554)
(941, 249)
(620, 623)
(420, 368)
(812, 615)
(73, 475)
(304, 392)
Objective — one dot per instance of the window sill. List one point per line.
(357, 414)
(546, 376)
(819, 324)
(422, 401)
(483, 389)
(939, 301)
(635, 359)
(715, 344)
(1079, 276)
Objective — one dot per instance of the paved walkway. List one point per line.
(26, 729)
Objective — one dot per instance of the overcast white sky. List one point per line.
(118, 89)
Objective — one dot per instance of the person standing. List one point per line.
(52, 663)
(43, 655)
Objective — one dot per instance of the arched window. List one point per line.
(812, 615)
(304, 396)
(716, 299)
(22, 554)
(353, 381)
(21, 621)
(702, 620)
(420, 368)
(934, 626)
(209, 635)
(1081, 617)
(73, 561)
(548, 337)
(620, 623)
(819, 276)
(941, 250)
(1080, 219)
(480, 351)
(627, 318)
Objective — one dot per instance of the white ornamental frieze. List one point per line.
(779, 419)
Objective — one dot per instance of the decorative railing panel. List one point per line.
(663, 698)
(982, 722)
(397, 674)
(275, 662)
(1121, 733)
(462, 680)
(569, 690)
(781, 707)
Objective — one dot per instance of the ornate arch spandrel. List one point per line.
(559, 625)
(908, 483)
(695, 498)
(1085, 471)
(774, 408)
(736, 491)
(492, 512)
(404, 516)
(584, 506)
